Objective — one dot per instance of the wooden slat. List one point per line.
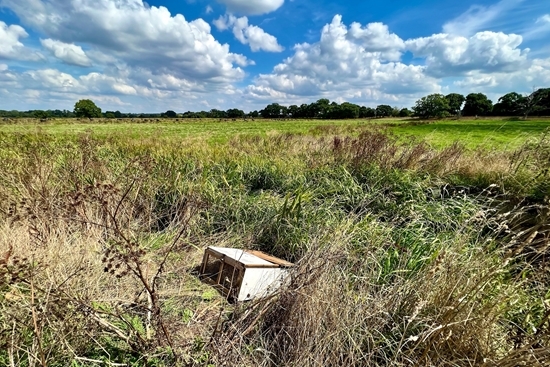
(272, 259)
(224, 258)
(204, 261)
(261, 266)
(220, 272)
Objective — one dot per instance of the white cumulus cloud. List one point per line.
(68, 53)
(535, 74)
(132, 89)
(450, 55)
(354, 63)
(53, 80)
(145, 57)
(251, 35)
(252, 7)
(7, 78)
(10, 45)
(136, 35)
(376, 37)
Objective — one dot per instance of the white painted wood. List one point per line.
(261, 282)
(260, 277)
(241, 256)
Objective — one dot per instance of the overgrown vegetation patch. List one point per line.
(406, 255)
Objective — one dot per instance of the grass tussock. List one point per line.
(405, 255)
(453, 307)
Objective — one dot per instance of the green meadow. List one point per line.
(504, 134)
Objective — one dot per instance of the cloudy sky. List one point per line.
(137, 56)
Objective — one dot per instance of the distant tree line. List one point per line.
(477, 104)
(431, 106)
(434, 105)
(36, 114)
(323, 108)
(45, 114)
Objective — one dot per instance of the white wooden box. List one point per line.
(243, 274)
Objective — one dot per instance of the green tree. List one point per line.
(405, 112)
(169, 114)
(477, 104)
(322, 107)
(538, 101)
(284, 111)
(40, 114)
(349, 110)
(294, 111)
(86, 108)
(434, 105)
(346, 110)
(544, 102)
(455, 101)
(395, 111)
(234, 113)
(273, 110)
(216, 114)
(366, 112)
(189, 115)
(305, 110)
(510, 104)
(384, 110)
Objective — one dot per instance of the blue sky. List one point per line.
(137, 56)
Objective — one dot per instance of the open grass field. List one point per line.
(408, 252)
(210, 130)
(502, 134)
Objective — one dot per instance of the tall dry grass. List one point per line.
(464, 303)
(405, 255)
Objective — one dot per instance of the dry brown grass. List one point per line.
(100, 240)
(82, 275)
(337, 311)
